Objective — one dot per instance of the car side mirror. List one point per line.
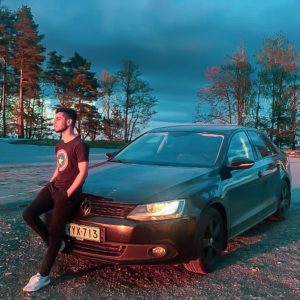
(111, 155)
(241, 163)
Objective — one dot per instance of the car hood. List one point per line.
(139, 183)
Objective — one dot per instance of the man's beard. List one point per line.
(61, 130)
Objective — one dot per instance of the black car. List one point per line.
(179, 194)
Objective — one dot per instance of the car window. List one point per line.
(270, 145)
(174, 148)
(240, 147)
(262, 149)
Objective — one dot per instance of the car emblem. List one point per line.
(86, 207)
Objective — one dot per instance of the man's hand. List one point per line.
(61, 195)
(79, 180)
(58, 194)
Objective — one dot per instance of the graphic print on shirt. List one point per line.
(62, 160)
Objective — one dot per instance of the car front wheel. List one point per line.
(210, 243)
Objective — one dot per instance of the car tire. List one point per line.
(209, 244)
(284, 203)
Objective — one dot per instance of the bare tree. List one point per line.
(108, 84)
(227, 97)
(135, 99)
(279, 61)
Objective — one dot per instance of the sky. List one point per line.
(172, 41)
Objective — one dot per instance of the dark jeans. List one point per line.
(63, 209)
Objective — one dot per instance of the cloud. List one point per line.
(172, 41)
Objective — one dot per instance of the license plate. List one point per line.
(83, 232)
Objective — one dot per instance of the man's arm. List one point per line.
(78, 181)
(55, 173)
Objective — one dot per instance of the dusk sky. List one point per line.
(172, 41)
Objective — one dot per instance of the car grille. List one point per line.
(104, 249)
(108, 208)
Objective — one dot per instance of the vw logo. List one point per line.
(85, 207)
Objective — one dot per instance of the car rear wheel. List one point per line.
(284, 203)
(210, 243)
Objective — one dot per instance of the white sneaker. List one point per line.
(36, 282)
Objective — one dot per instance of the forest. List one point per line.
(113, 107)
(261, 91)
(263, 95)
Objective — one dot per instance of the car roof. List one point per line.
(224, 129)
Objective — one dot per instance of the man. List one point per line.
(62, 194)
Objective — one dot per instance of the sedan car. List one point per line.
(179, 194)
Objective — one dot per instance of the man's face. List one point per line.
(61, 122)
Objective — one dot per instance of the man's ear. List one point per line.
(69, 122)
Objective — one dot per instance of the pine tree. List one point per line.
(56, 75)
(27, 61)
(6, 34)
(82, 88)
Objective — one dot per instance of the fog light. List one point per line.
(158, 251)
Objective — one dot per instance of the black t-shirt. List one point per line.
(68, 155)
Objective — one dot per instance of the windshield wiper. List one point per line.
(118, 160)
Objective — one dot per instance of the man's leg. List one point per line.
(63, 209)
(41, 204)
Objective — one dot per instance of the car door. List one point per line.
(270, 172)
(243, 189)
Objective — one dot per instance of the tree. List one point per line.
(27, 61)
(90, 122)
(217, 96)
(228, 95)
(135, 100)
(44, 122)
(107, 85)
(6, 34)
(294, 96)
(75, 86)
(117, 123)
(278, 61)
(56, 75)
(240, 70)
(82, 86)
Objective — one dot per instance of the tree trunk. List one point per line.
(126, 121)
(294, 114)
(257, 107)
(21, 108)
(109, 118)
(229, 108)
(3, 104)
(79, 118)
(273, 110)
(42, 120)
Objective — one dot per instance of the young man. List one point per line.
(62, 194)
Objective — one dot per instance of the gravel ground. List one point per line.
(263, 263)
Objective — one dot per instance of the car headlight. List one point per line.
(158, 211)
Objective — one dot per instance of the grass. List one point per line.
(51, 142)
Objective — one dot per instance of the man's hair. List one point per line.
(71, 113)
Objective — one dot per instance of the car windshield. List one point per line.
(198, 149)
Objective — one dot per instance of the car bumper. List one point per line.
(125, 241)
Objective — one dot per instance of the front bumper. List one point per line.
(130, 242)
